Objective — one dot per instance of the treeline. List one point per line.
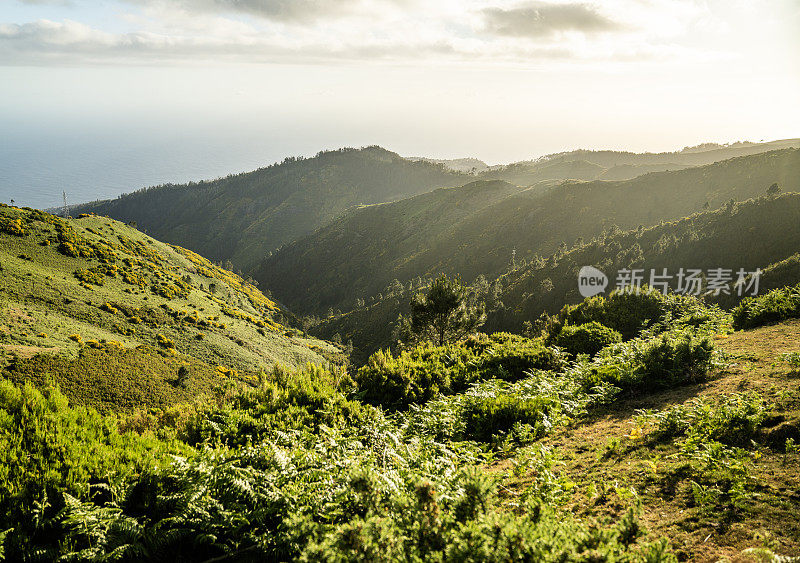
(244, 217)
(479, 228)
(752, 234)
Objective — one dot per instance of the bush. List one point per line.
(164, 342)
(732, 419)
(509, 356)
(50, 452)
(672, 359)
(628, 312)
(588, 338)
(283, 401)
(420, 374)
(486, 418)
(90, 276)
(12, 226)
(772, 307)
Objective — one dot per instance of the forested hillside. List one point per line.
(622, 165)
(245, 217)
(366, 250)
(357, 255)
(242, 218)
(750, 234)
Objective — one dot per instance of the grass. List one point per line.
(69, 286)
(613, 458)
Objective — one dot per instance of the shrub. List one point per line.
(674, 358)
(90, 276)
(108, 307)
(731, 419)
(419, 374)
(792, 358)
(51, 453)
(164, 342)
(487, 418)
(284, 400)
(12, 226)
(777, 305)
(411, 377)
(628, 312)
(509, 356)
(588, 338)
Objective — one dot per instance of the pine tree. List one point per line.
(446, 313)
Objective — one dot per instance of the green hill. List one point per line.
(363, 252)
(244, 217)
(761, 233)
(118, 319)
(623, 165)
(357, 255)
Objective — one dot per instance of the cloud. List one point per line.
(47, 42)
(47, 2)
(222, 31)
(286, 11)
(542, 20)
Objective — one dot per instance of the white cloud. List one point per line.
(541, 20)
(410, 31)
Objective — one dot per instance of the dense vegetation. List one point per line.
(774, 306)
(751, 234)
(471, 231)
(156, 406)
(389, 465)
(244, 217)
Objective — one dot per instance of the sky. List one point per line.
(502, 81)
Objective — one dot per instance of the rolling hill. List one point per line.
(624, 165)
(361, 253)
(116, 318)
(244, 217)
(760, 233)
(357, 255)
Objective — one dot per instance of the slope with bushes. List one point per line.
(660, 448)
(752, 234)
(118, 319)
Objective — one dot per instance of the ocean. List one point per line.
(38, 163)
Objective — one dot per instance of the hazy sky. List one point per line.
(501, 81)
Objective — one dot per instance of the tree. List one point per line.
(447, 312)
(774, 189)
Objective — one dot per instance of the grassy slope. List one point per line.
(129, 354)
(603, 451)
(534, 221)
